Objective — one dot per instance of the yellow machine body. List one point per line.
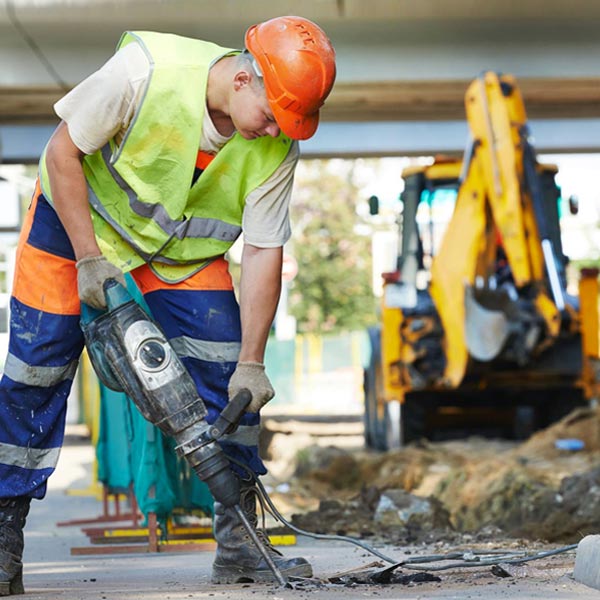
(478, 321)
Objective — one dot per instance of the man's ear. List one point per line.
(241, 80)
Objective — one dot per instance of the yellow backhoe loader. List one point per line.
(478, 332)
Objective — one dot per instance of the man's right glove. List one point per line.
(252, 376)
(92, 272)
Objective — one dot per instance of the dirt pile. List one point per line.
(533, 490)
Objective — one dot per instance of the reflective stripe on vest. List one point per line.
(194, 227)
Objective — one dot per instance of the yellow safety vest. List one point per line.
(144, 208)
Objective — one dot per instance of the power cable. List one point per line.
(472, 558)
(12, 16)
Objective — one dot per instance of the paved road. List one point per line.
(51, 573)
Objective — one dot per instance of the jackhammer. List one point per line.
(131, 354)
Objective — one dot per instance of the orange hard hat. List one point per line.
(297, 62)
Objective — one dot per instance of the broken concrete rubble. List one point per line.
(397, 508)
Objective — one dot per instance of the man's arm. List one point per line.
(259, 294)
(260, 288)
(70, 199)
(69, 192)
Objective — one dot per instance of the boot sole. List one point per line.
(241, 575)
(13, 587)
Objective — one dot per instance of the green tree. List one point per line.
(332, 290)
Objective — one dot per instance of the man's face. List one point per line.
(250, 110)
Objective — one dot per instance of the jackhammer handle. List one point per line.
(230, 416)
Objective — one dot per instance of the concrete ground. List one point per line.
(51, 573)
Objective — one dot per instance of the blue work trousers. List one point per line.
(200, 316)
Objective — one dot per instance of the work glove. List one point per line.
(92, 272)
(252, 376)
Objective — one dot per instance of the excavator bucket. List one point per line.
(486, 329)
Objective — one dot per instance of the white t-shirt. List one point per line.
(101, 107)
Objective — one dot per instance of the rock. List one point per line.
(587, 560)
(397, 507)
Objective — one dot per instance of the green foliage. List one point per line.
(332, 290)
(587, 263)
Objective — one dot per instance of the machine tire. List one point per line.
(525, 422)
(413, 414)
(368, 416)
(375, 429)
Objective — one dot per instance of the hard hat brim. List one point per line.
(295, 125)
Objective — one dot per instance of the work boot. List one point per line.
(13, 512)
(237, 559)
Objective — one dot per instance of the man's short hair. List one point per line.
(246, 62)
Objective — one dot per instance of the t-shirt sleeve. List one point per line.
(102, 105)
(266, 222)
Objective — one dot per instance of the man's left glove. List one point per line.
(252, 376)
(92, 272)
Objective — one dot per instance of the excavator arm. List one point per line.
(499, 209)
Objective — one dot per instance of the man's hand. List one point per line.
(252, 376)
(92, 272)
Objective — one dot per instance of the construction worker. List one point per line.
(162, 158)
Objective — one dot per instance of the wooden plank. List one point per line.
(29, 104)
(444, 99)
(377, 101)
(209, 546)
